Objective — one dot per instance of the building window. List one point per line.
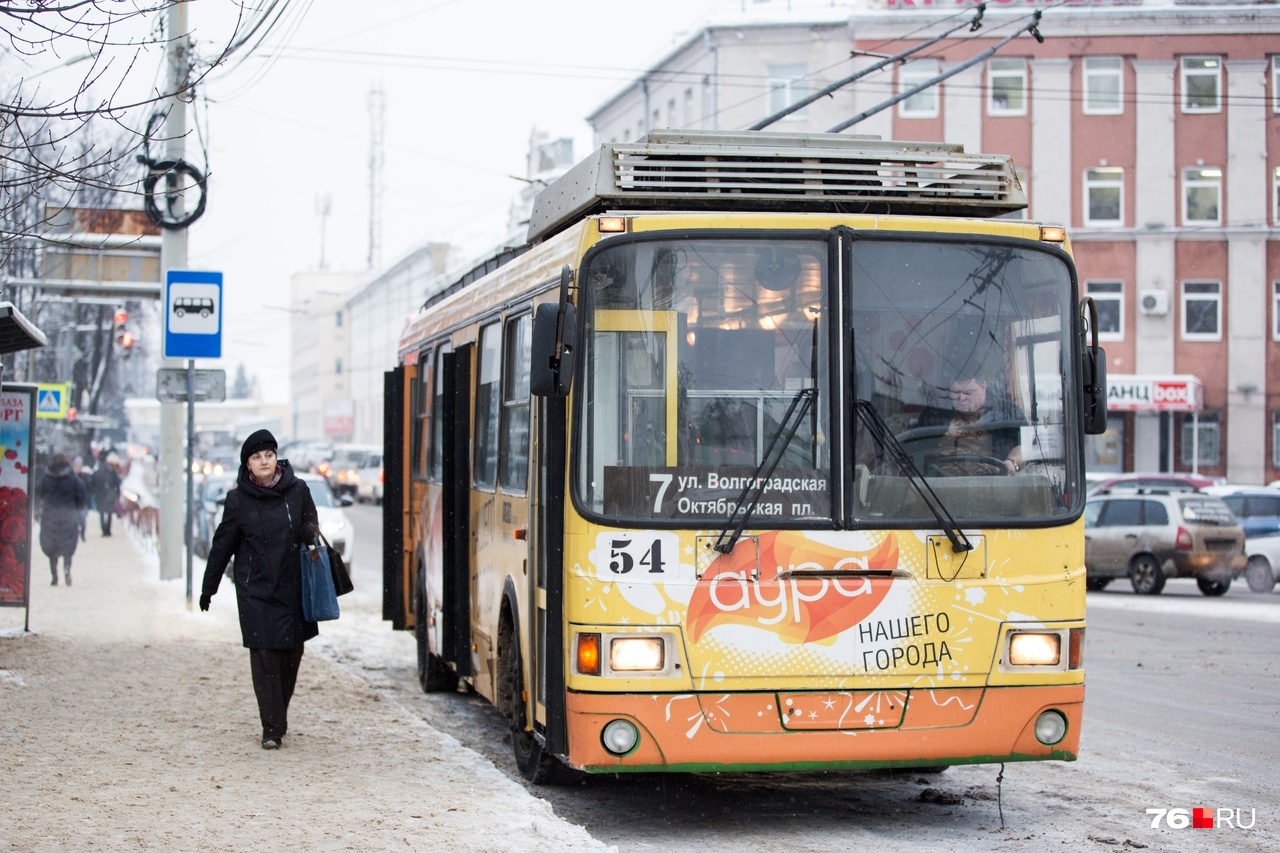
(1275, 438)
(1275, 84)
(1275, 310)
(923, 104)
(1200, 437)
(1103, 85)
(1201, 84)
(1104, 196)
(788, 84)
(1201, 196)
(337, 319)
(1275, 196)
(671, 112)
(688, 108)
(1202, 310)
(337, 366)
(1007, 87)
(1108, 298)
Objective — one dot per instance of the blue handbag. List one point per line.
(319, 600)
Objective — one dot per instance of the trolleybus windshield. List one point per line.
(695, 348)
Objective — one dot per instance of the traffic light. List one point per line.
(124, 337)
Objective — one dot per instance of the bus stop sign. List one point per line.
(192, 314)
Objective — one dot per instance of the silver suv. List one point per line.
(1149, 535)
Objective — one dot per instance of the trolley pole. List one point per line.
(173, 256)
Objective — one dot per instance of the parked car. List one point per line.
(334, 523)
(212, 488)
(342, 468)
(369, 479)
(1149, 480)
(1149, 535)
(1258, 508)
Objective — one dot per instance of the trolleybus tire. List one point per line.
(1146, 575)
(532, 761)
(1258, 574)
(1214, 586)
(434, 674)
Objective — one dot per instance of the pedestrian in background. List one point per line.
(59, 498)
(106, 490)
(85, 473)
(265, 521)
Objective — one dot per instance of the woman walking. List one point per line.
(60, 496)
(267, 517)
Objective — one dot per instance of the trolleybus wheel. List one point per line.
(1146, 575)
(434, 674)
(534, 764)
(1258, 574)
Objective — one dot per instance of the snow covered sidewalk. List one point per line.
(127, 722)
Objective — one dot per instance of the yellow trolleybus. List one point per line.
(763, 453)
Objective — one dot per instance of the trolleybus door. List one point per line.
(456, 499)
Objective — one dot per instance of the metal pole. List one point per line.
(173, 256)
(191, 450)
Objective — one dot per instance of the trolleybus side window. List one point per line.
(513, 473)
(488, 407)
(705, 361)
(422, 409)
(435, 458)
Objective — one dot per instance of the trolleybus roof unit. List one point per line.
(754, 171)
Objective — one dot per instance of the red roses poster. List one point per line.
(17, 433)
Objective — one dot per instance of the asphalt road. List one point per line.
(1180, 713)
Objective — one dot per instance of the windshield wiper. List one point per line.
(750, 498)
(874, 422)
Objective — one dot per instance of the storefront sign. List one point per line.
(17, 432)
(1182, 393)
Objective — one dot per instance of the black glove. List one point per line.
(204, 601)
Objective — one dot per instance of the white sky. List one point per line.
(465, 83)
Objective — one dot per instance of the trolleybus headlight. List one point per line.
(1051, 727)
(636, 654)
(621, 736)
(589, 654)
(1032, 649)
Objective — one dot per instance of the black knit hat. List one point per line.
(260, 440)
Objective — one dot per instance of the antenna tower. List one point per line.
(377, 105)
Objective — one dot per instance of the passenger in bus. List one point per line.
(982, 435)
(267, 517)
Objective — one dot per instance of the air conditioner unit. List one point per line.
(1154, 303)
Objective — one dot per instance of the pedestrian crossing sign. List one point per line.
(52, 401)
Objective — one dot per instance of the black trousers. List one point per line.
(275, 671)
(104, 520)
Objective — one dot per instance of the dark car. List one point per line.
(1148, 535)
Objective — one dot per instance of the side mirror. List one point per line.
(1093, 371)
(555, 330)
(1094, 375)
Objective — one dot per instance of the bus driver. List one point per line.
(982, 435)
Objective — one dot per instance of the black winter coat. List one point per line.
(60, 495)
(106, 487)
(263, 528)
